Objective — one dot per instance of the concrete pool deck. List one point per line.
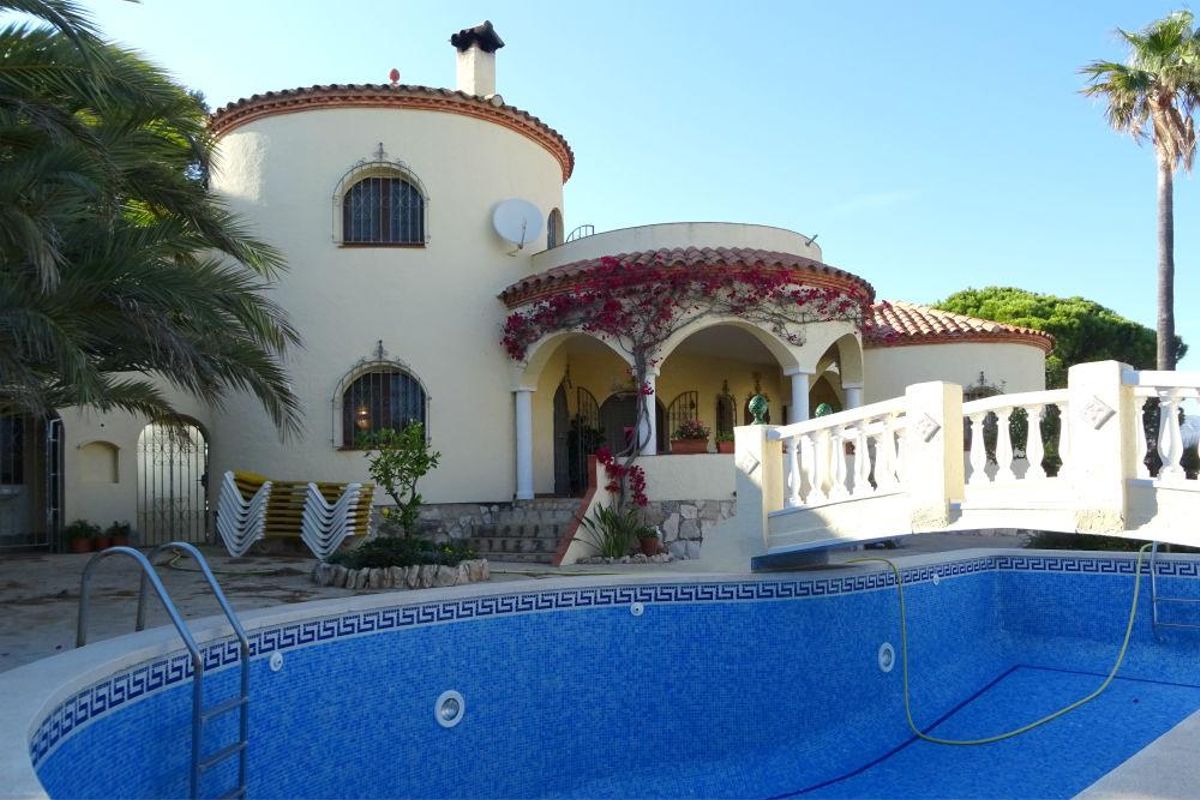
(39, 592)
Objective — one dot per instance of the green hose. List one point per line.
(1137, 573)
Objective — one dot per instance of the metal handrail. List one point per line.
(180, 626)
(150, 577)
(239, 632)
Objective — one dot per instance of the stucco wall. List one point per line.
(1016, 367)
(434, 308)
(709, 476)
(92, 494)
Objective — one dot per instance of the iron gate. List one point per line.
(30, 480)
(172, 484)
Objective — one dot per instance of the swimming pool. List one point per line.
(765, 687)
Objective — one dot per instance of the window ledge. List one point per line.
(400, 245)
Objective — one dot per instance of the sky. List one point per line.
(931, 146)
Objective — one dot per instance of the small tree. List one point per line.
(398, 459)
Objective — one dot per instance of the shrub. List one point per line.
(394, 551)
(398, 459)
(613, 531)
(81, 529)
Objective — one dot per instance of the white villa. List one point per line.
(382, 199)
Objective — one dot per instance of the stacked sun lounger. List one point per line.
(322, 515)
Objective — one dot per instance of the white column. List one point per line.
(852, 392)
(648, 430)
(798, 411)
(524, 420)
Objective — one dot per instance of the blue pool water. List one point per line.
(765, 689)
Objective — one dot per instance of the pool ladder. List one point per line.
(1156, 598)
(200, 715)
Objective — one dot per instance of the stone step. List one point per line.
(487, 546)
(527, 517)
(525, 530)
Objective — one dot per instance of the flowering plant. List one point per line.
(691, 429)
(618, 476)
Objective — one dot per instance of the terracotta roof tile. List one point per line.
(382, 95)
(894, 324)
(558, 278)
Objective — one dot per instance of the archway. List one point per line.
(30, 480)
(618, 415)
(172, 501)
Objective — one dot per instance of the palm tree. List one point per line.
(120, 275)
(1152, 96)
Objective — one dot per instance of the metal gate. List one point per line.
(172, 484)
(30, 480)
(586, 437)
(683, 408)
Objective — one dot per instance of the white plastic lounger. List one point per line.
(241, 522)
(324, 526)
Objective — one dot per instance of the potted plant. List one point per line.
(648, 538)
(80, 535)
(724, 442)
(118, 534)
(690, 437)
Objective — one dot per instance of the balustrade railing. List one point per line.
(1159, 398)
(848, 455)
(1008, 413)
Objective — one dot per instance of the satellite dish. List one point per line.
(518, 221)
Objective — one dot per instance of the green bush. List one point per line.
(393, 551)
(81, 529)
(1054, 540)
(398, 459)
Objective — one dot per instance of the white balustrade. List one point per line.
(818, 467)
(1001, 408)
(1169, 390)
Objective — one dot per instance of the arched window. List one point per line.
(554, 229)
(384, 397)
(383, 210)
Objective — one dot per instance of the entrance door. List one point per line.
(617, 417)
(30, 480)
(562, 435)
(172, 484)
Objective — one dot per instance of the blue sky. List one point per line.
(932, 146)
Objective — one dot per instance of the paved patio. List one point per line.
(40, 592)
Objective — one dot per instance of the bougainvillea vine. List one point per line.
(638, 308)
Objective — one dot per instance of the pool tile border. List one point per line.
(140, 681)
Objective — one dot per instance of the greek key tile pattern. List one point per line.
(106, 696)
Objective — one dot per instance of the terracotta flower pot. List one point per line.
(649, 546)
(120, 541)
(102, 542)
(80, 545)
(681, 447)
(724, 447)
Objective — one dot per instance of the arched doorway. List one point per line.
(30, 480)
(172, 483)
(617, 417)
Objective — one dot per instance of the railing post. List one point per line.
(1102, 445)
(932, 452)
(759, 464)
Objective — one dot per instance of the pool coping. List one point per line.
(35, 691)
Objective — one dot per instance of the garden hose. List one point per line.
(1137, 574)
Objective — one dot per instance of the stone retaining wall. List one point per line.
(685, 523)
(417, 576)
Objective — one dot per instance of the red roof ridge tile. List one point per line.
(284, 101)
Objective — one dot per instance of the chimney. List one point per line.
(477, 59)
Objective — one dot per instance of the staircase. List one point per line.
(527, 531)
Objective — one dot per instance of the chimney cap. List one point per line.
(482, 34)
